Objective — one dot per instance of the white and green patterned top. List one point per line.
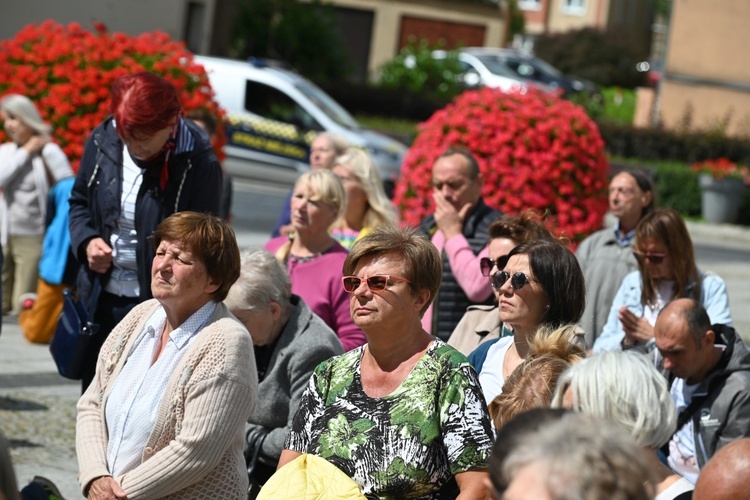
(409, 444)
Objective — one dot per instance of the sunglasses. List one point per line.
(486, 264)
(654, 258)
(517, 281)
(374, 283)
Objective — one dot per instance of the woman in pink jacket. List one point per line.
(313, 258)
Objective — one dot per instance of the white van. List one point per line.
(273, 115)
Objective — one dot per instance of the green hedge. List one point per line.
(655, 144)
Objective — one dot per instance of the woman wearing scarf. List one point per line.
(142, 164)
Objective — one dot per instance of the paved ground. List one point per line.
(37, 406)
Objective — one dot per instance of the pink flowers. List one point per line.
(68, 71)
(535, 150)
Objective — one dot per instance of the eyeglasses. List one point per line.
(374, 283)
(486, 264)
(517, 281)
(653, 257)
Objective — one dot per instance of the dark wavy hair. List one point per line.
(557, 270)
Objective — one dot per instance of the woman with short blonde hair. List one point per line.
(313, 258)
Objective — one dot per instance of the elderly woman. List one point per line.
(625, 388)
(577, 456)
(540, 285)
(666, 271)
(367, 207)
(140, 165)
(313, 258)
(481, 323)
(403, 415)
(176, 379)
(29, 165)
(289, 341)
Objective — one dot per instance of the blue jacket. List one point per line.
(195, 183)
(714, 298)
(55, 264)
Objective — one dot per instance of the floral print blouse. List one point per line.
(408, 444)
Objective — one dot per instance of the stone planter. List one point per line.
(720, 198)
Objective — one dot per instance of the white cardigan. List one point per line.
(19, 171)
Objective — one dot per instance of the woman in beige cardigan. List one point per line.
(175, 381)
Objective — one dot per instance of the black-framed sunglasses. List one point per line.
(654, 257)
(374, 283)
(486, 264)
(517, 281)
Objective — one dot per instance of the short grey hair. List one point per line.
(262, 280)
(580, 456)
(23, 108)
(338, 142)
(625, 388)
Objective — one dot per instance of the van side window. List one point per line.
(273, 104)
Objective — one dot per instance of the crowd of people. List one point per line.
(475, 356)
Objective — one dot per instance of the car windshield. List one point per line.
(496, 65)
(328, 105)
(546, 67)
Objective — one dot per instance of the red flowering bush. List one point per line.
(68, 72)
(721, 168)
(535, 150)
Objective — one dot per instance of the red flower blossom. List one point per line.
(721, 168)
(68, 71)
(534, 150)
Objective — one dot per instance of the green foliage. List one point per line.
(304, 35)
(405, 129)
(618, 105)
(417, 71)
(607, 58)
(517, 21)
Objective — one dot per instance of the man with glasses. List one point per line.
(606, 256)
(459, 229)
(708, 369)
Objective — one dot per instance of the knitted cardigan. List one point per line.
(196, 447)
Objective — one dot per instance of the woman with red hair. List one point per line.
(142, 164)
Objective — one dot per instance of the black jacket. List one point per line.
(724, 413)
(451, 301)
(195, 183)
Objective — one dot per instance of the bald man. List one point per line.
(725, 476)
(708, 368)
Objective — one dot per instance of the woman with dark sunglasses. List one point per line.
(540, 285)
(403, 415)
(666, 271)
(481, 323)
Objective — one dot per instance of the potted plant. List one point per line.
(722, 183)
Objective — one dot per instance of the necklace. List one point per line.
(295, 259)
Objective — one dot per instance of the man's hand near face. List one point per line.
(449, 220)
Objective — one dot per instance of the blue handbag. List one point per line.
(74, 331)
